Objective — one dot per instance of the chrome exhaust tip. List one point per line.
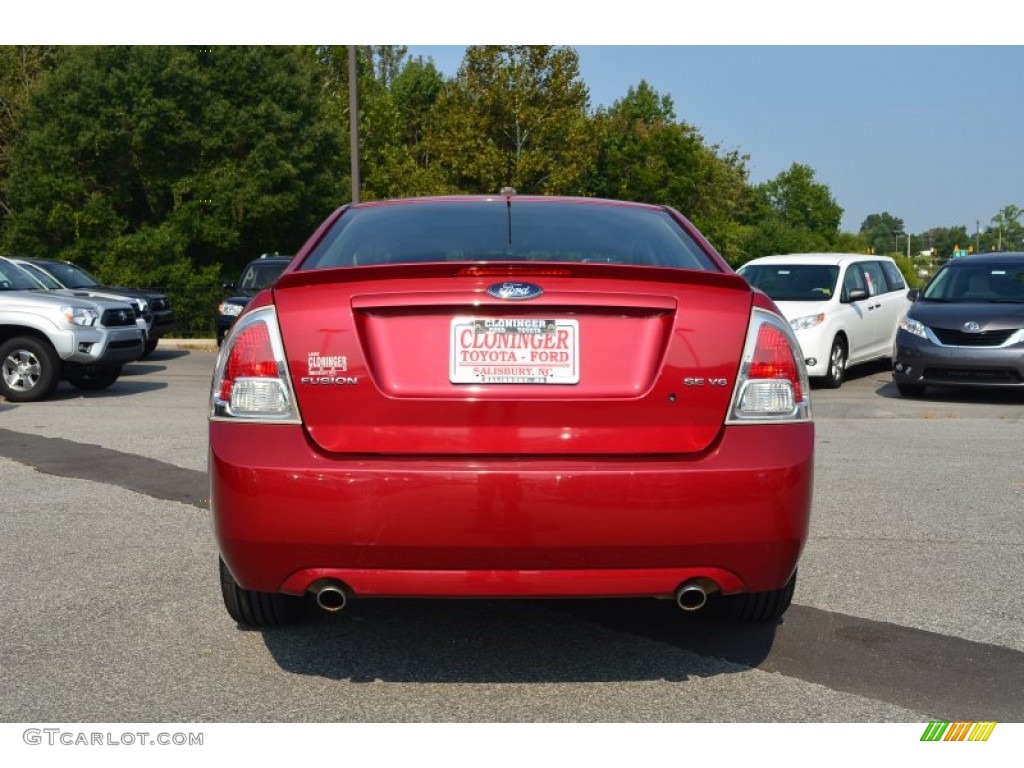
(691, 596)
(332, 598)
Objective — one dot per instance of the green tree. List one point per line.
(943, 240)
(1007, 224)
(21, 67)
(514, 115)
(880, 230)
(160, 165)
(645, 154)
(798, 201)
(394, 124)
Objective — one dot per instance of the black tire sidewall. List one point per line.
(833, 382)
(93, 377)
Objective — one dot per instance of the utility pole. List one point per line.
(353, 119)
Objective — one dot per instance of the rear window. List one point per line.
(492, 230)
(260, 274)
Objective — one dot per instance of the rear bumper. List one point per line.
(287, 515)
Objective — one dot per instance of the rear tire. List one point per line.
(837, 357)
(755, 607)
(910, 390)
(29, 369)
(92, 378)
(257, 609)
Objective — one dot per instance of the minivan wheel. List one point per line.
(257, 609)
(836, 364)
(754, 607)
(29, 369)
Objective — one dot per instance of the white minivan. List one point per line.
(844, 307)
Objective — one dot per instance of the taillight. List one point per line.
(772, 383)
(251, 380)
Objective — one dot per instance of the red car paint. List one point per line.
(395, 481)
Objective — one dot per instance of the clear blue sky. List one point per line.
(933, 135)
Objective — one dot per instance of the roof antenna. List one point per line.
(509, 193)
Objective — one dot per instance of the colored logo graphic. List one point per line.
(939, 731)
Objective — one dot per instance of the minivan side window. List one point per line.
(894, 276)
(875, 277)
(853, 281)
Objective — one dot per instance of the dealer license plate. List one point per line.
(514, 350)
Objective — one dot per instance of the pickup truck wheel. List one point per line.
(92, 377)
(29, 369)
(751, 607)
(150, 346)
(257, 609)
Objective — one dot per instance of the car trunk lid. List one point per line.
(421, 359)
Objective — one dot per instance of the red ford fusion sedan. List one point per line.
(509, 396)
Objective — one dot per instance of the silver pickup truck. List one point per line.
(45, 338)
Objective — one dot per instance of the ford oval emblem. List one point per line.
(515, 291)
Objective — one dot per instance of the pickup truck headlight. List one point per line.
(227, 308)
(80, 315)
(808, 321)
(914, 327)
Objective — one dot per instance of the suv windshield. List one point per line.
(260, 274)
(1003, 283)
(14, 278)
(70, 275)
(495, 230)
(42, 276)
(793, 282)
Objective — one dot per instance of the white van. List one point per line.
(844, 307)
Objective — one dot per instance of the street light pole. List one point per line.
(353, 119)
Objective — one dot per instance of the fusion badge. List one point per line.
(324, 369)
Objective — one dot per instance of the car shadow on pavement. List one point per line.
(166, 354)
(860, 371)
(120, 388)
(141, 369)
(516, 641)
(956, 395)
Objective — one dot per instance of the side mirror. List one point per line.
(913, 294)
(857, 294)
(228, 285)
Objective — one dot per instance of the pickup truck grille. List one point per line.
(114, 318)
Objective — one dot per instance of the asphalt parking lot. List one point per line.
(908, 606)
